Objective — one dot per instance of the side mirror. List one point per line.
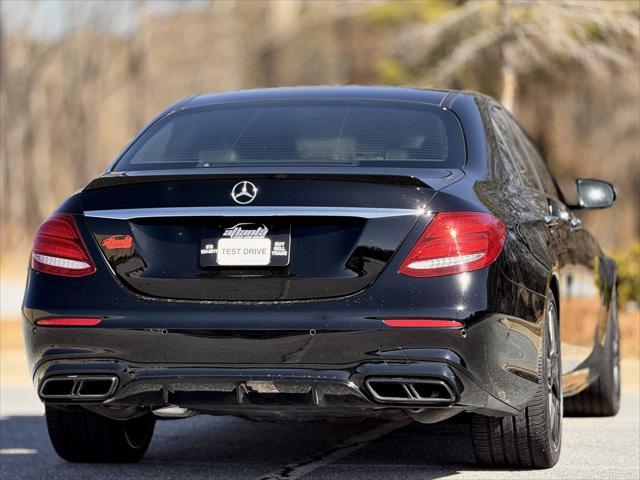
(595, 193)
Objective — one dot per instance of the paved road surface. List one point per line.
(225, 447)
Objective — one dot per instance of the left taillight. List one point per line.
(58, 248)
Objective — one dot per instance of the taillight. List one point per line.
(455, 242)
(59, 250)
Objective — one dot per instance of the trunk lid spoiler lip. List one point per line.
(243, 211)
(434, 178)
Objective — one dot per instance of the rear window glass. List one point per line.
(300, 133)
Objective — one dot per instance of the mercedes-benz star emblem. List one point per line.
(244, 192)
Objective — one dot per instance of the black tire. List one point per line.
(602, 398)
(533, 438)
(79, 435)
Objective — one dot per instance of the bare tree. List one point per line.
(69, 102)
(526, 34)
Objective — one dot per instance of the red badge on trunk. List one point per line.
(115, 242)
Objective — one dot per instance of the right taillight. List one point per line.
(59, 250)
(455, 242)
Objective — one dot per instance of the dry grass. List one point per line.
(13, 360)
(11, 334)
(630, 333)
(577, 316)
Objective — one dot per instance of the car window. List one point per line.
(499, 132)
(541, 166)
(350, 132)
(517, 167)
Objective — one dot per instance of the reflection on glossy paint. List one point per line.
(574, 381)
(464, 280)
(579, 314)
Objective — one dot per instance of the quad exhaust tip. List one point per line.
(79, 387)
(410, 390)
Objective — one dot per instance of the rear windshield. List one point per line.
(359, 133)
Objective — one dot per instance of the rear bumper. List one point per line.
(299, 391)
(237, 391)
(318, 355)
(490, 369)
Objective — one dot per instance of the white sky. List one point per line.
(51, 19)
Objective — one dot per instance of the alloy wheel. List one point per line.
(554, 379)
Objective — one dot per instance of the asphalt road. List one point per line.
(225, 447)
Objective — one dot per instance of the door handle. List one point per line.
(551, 220)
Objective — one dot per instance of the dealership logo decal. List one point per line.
(239, 231)
(244, 192)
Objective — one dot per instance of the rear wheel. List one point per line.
(533, 438)
(602, 398)
(79, 435)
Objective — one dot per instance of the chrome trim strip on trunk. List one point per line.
(249, 211)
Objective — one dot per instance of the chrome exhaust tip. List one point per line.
(78, 387)
(416, 391)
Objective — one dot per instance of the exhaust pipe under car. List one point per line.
(173, 411)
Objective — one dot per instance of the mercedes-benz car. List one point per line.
(324, 252)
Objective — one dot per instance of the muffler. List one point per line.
(173, 411)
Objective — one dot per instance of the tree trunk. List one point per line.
(509, 78)
(282, 65)
(509, 86)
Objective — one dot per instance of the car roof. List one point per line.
(427, 96)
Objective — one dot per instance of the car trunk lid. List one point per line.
(165, 235)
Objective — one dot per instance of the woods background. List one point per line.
(78, 79)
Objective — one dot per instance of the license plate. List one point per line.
(243, 251)
(247, 245)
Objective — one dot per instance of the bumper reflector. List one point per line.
(422, 323)
(68, 322)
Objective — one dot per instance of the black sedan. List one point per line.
(324, 252)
